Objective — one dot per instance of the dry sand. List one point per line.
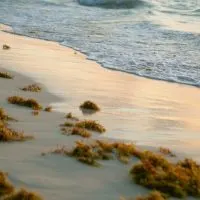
(135, 108)
(54, 177)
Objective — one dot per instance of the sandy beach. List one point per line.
(54, 177)
(133, 108)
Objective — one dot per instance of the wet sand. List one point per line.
(147, 111)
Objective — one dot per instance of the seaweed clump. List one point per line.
(71, 117)
(87, 154)
(3, 116)
(154, 195)
(69, 128)
(6, 187)
(125, 151)
(5, 75)
(6, 47)
(67, 124)
(122, 151)
(48, 109)
(89, 105)
(178, 180)
(23, 195)
(31, 103)
(35, 113)
(10, 135)
(7, 191)
(99, 150)
(32, 88)
(76, 131)
(166, 151)
(91, 125)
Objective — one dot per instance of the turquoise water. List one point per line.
(159, 39)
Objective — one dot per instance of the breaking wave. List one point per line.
(114, 4)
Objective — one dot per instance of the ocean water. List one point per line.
(159, 39)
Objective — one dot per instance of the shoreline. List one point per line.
(101, 64)
(8, 29)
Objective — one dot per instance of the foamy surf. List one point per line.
(155, 39)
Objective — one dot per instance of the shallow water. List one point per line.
(154, 38)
